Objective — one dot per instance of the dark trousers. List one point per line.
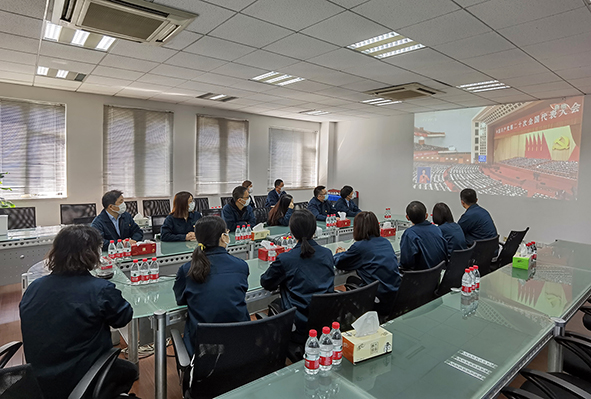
(119, 379)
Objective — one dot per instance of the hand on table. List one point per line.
(132, 242)
(190, 236)
(340, 249)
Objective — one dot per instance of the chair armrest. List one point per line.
(576, 335)
(7, 351)
(516, 393)
(351, 287)
(98, 371)
(261, 315)
(586, 309)
(542, 380)
(180, 350)
(274, 310)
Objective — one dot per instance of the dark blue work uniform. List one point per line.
(284, 221)
(321, 209)
(220, 299)
(273, 198)
(454, 236)
(127, 226)
(234, 216)
(350, 208)
(298, 279)
(176, 229)
(422, 246)
(477, 224)
(65, 323)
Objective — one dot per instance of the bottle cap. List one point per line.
(113, 241)
(475, 267)
(135, 261)
(127, 239)
(467, 271)
(154, 258)
(313, 333)
(325, 330)
(119, 240)
(144, 260)
(336, 325)
(248, 225)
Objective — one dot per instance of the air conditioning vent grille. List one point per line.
(109, 19)
(404, 92)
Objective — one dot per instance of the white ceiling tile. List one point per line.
(514, 98)
(105, 81)
(418, 58)
(19, 68)
(239, 71)
(363, 85)
(402, 13)
(345, 29)
(514, 71)
(568, 61)
(575, 73)
(15, 77)
(209, 15)
(134, 93)
(234, 92)
(266, 60)
(494, 94)
(532, 79)
(498, 60)
(253, 86)
(29, 8)
(559, 47)
(349, 3)
(307, 97)
(17, 57)
(219, 48)
(343, 59)
(250, 31)
(236, 5)
(194, 61)
(182, 40)
(55, 83)
(18, 43)
(294, 15)
(97, 89)
(68, 65)
(486, 43)
(116, 73)
(20, 25)
(300, 46)
(149, 86)
(469, 3)
(216, 79)
(182, 91)
(583, 84)
(118, 61)
(141, 51)
(320, 74)
(557, 93)
(288, 102)
(310, 86)
(203, 87)
(266, 98)
(456, 78)
(545, 87)
(383, 72)
(74, 53)
(176, 72)
(169, 98)
(161, 80)
(341, 93)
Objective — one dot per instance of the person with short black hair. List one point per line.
(66, 318)
(422, 246)
(320, 206)
(238, 210)
(275, 194)
(476, 222)
(114, 222)
(180, 224)
(213, 284)
(452, 232)
(306, 270)
(345, 203)
(280, 214)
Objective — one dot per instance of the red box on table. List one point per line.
(388, 232)
(343, 222)
(143, 249)
(264, 252)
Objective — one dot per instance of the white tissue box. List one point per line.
(357, 349)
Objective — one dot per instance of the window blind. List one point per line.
(137, 146)
(222, 154)
(293, 157)
(33, 149)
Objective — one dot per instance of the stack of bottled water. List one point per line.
(321, 354)
(470, 290)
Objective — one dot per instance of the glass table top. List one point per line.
(28, 234)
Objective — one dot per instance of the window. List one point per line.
(293, 157)
(475, 140)
(222, 154)
(137, 145)
(33, 149)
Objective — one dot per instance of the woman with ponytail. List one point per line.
(306, 270)
(213, 284)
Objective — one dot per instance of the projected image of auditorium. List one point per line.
(528, 149)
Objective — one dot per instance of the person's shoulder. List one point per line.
(323, 251)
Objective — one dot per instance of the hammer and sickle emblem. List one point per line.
(562, 143)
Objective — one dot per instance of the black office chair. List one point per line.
(201, 204)
(228, 355)
(95, 376)
(87, 221)
(552, 385)
(157, 222)
(300, 205)
(576, 354)
(156, 207)
(132, 208)
(484, 251)
(459, 261)
(261, 214)
(225, 200)
(212, 212)
(259, 201)
(69, 212)
(20, 218)
(509, 248)
(7, 351)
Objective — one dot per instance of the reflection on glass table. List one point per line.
(28, 234)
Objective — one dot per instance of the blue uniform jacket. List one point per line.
(65, 323)
(234, 216)
(273, 198)
(320, 209)
(373, 259)
(477, 224)
(175, 229)
(127, 227)
(351, 209)
(298, 279)
(284, 221)
(220, 299)
(454, 236)
(422, 246)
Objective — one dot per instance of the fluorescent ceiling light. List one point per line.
(483, 86)
(287, 82)
(42, 70)
(217, 97)
(372, 100)
(387, 103)
(315, 112)
(492, 88)
(265, 75)
(105, 43)
(374, 40)
(80, 38)
(277, 78)
(380, 101)
(61, 74)
(386, 45)
(400, 51)
(52, 31)
(477, 84)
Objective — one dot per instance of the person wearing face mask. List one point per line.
(179, 225)
(213, 284)
(319, 205)
(114, 222)
(345, 203)
(238, 210)
(275, 194)
(248, 185)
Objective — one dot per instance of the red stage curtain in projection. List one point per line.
(545, 153)
(527, 144)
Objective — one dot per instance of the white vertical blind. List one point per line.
(33, 149)
(137, 155)
(293, 157)
(222, 154)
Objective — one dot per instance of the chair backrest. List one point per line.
(416, 289)
(157, 222)
(259, 201)
(225, 200)
(131, 208)
(515, 238)
(85, 220)
(69, 212)
(344, 307)
(261, 214)
(228, 355)
(95, 376)
(7, 351)
(19, 382)
(20, 218)
(211, 212)
(459, 261)
(201, 204)
(300, 205)
(156, 207)
(483, 254)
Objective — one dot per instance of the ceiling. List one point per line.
(541, 48)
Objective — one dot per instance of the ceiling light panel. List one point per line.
(217, 97)
(61, 74)
(77, 37)
(277, 78)
(380, 101)
(80, 38)
(315, 112)
(386, 45)
(483, 86)
(52, 31)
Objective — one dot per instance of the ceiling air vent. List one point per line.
(404, 92)
(135, 20)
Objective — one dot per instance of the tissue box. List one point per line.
(357, 349)
(343, 222)
(388, 232)
(143, 249)
(259, 235)
(522, 262)
(264, 252)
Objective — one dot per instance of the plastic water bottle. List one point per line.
(105, 269)
(325, 350)
(389, 214)
(112, 250)
(476, 279)
(272, 255)
(127, 248)
(291, 242)
(312, 354)
(327, 222)
(466, 283)
(238, 233)
(154, 270)
(135, 272)
(144, 272)
(248, 232)
(120, 250)
(284, 243)
(337, 343)
(473, 286)
(243, 236)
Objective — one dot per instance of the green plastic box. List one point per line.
(522, 263)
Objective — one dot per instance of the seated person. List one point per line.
(422, 246)
(65, 318)
(275, 194)
(476, 221)
(248, 185)
(238, 210)
(213, 284)
(280, 214)
(452, 232)
(372, 256)
(180, 224)
(345, 203)
(306, 270)
(114, 223)
(320, 206)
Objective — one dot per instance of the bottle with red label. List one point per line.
(135, 275)
(144, 272)
(112, 250)
(105, 269)
(476, 279)
(120, 250)
(325, 350)
(312, 354)
(127, 248)
(154, 270)
(272, 255)
(466, 283)
(337, 343)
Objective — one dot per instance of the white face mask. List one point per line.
(246, 202)
(122, 208)
(191, 206)
(250, 189)
(353, 195)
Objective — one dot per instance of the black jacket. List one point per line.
(127, 227)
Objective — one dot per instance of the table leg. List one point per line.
(133, 341)
(159, 327)
(554, 348)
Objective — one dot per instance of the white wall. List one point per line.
(84, 124)
(376, 157)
